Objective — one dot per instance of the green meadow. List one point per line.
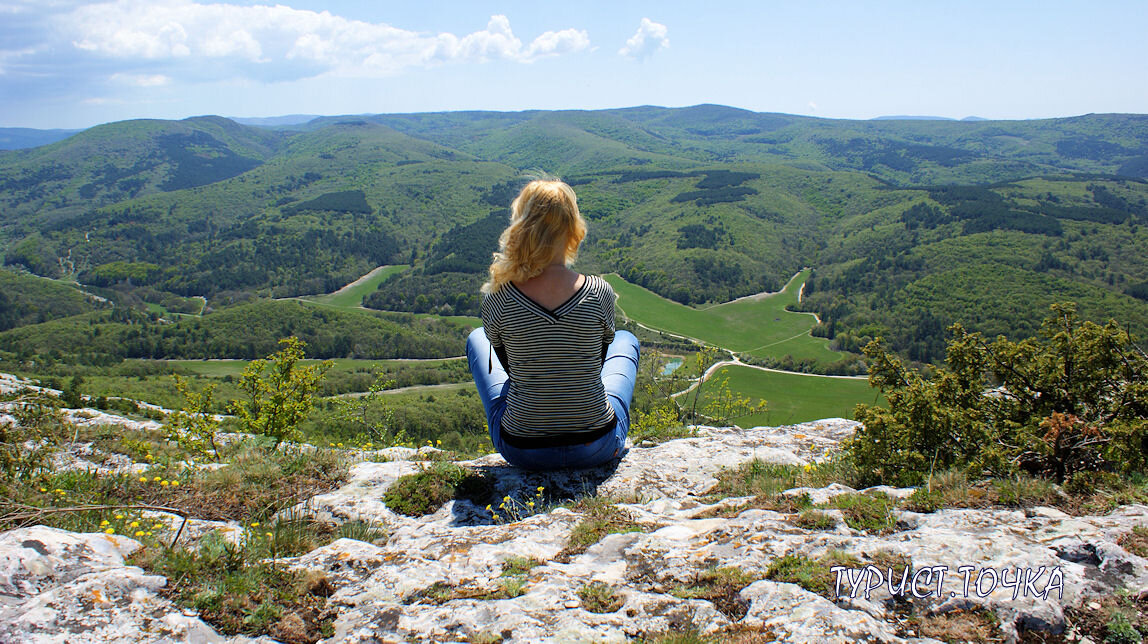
(221, 368)
(757, 325)
(792, 397)
(351, 296)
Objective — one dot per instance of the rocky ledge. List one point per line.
(688, 562)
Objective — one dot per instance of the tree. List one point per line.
(1075, 398)
(194, 426)
(370, 414)
(280, 392)
(73, 395)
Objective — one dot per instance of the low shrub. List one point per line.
(426, 491)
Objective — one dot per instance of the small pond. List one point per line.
(671, 366)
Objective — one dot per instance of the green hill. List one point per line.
(28, 299)
(908, 225)
(243, 331)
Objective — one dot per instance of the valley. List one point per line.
(200, 243)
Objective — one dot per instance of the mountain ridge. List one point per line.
(699, 204)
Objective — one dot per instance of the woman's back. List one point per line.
(554, 378)
(553, 353)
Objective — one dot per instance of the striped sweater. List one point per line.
(554, 359)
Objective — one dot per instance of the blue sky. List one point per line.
(75, 64)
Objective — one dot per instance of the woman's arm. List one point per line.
(492, 326)
(607, 318)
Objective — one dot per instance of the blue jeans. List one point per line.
(619, 373)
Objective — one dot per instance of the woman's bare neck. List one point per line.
(553, 287)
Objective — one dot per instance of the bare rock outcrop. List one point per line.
(444, 577)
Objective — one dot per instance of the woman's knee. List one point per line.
(624, 345)
(474, 340)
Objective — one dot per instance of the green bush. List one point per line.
(280, 393)
(26, 446)
(426, 491)
(1074, 399)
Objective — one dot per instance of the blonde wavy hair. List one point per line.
(543, 217)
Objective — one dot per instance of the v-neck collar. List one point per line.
(551, 314)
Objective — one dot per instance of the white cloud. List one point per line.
(142, 80)
(554, 43)
(279, 42)
(12, 55)
(650, 37)
(812, 106)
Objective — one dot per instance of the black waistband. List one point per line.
(564, 439)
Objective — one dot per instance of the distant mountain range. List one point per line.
(909, 224)
(17, 138)
(925, 118)
(276, 121)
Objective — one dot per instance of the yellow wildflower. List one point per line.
(268, 535)
(119, 516)
(149, 533)
(143, 479)
(134, 524)
(158, 479)
(103, 523)
(255, 524)
(139, 533)
(165, 483)
(175, 483)
(530, 503)
(338, 444)
(43, 489)
(110, 531)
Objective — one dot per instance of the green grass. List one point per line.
(600, 597)
(352, 297)
(795, 398)
(221, 368)
(760, 327)
(468, 320)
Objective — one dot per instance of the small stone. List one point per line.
(572, 603)
(1094, 605)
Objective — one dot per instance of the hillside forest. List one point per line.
(207, 239)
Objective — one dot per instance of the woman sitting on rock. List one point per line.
(555, 378)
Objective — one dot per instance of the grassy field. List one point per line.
(468, 320)
(221, 368)
(141, 380)
(351, 296)
(757, 326)
(795, 398)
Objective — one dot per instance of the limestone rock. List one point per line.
(59, 586)
(441, 577)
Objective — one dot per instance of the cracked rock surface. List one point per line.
(440, 577)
